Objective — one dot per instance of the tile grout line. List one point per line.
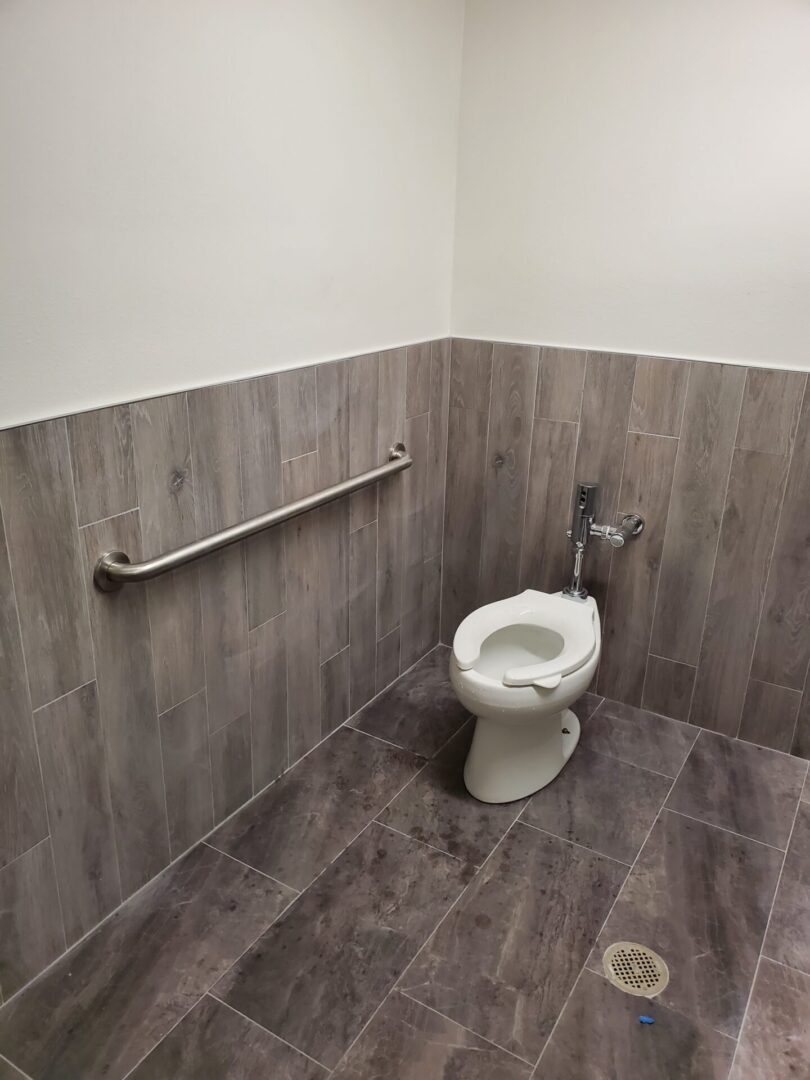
(765, 932)
(267, 1031)
(255, 869)
(423, 843)
(610, 912)
(722, 828)
(783, 964)
(110, 517)
(573, 843)
(205, 992)
(17, 1067)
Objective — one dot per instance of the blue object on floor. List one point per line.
(646, 1019)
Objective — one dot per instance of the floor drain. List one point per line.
(635, 969)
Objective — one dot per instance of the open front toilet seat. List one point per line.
(517, 665)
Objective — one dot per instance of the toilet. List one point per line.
(517, 665)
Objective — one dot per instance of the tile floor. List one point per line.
(364, 918)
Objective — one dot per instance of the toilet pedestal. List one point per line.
(511, 761)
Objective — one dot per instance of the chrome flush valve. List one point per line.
(583, 528)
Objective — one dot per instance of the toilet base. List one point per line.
(510, 761)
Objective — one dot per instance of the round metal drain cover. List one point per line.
(635, 969)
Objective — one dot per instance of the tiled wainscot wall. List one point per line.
(133, 722)
(706, 615)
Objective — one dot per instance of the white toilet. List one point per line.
(517, 665)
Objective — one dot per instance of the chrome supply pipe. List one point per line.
(114, 569)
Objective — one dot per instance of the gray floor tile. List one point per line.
(639, 737)
(775, 1041)
(437, 808)
(299, 824)
(316, 977)
(9, 1072)
(599, 1036)
(700, 897)
(407, 1041)
(111, 999)
(601, 803)
(504, 960)
(788, 938)
(419, 712)
(741, 787)
(586, 706)
(215, 1043)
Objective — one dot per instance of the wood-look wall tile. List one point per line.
(470, 374)
(36, 493)
(602, 435)
(463, 516)
(658, 395)
(187, 772)
(713, 400)
(333, 520)
(431, 603)
(649, 465)
(560, 383)
(335, 691)
(546, 558)
(300, 477)
(31, 935)
(77, 788)
(413, 540)
(387, 659)
(362, 616)
(230, 767)
(268, 700)
(668, 687)
(770, 410)
(297, 393)
(514, 384)
(160, 433)
(769, 715)
(23, 821)
(437, 446)
(390, 430)
(782, 650)
(417, 390)
(126, 694)
(214, 427)
(752, 506)
(364, 393)
(260, 453)
(103, 466)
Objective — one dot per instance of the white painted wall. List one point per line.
(197, 190)
(635, 175)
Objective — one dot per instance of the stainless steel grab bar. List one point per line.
(114, 569)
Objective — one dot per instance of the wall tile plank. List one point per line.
(390, 430)
(23, 821)
(755, 490)
(668, 688)
(166, 495)
(260, 457)
(470, 374)
(31, 934)
(782, 651)
(126, 694)
(103, 466)
(658, 395)
(297, 394)
(187, 772)
(362, 616)
(649, 465)
(364, 393)
(546, 559)
(606, 403)
(387, 659)
(514, 384)
(230, 767)
(36, 493)
(560, 383)
(437, 446)
(302, 631)
(713, 400)
(333, 520)
(268, 700)
(413, 539)
(770, 410)
(335, 691)
(769, 715)
(77, 788)
(417, 391)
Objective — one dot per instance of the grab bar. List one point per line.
(114, 569)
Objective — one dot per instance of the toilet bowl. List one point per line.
(516, 666)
